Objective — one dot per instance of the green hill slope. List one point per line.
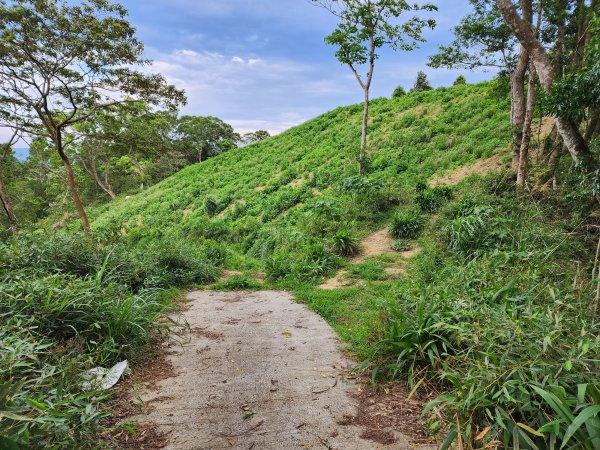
(275, 183)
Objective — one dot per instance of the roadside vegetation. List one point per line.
(67, 306)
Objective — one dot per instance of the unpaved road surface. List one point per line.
(259, 372)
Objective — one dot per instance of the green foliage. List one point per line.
(407, 224)
(429, 200)
(66, 305)
(402, 245)
(344, 243)
(460, 80)
(421, 83)
(368, 270)
(211, 206)
(398, 92)
(237, 282)
(503, 330)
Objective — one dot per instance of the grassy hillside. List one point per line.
(275, 183)
(493, 315)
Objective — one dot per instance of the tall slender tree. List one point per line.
(61, 63)
(365, 26)
(526, 35)
(5, 151)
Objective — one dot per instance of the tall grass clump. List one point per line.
(407, 224)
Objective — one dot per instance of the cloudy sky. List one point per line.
(263, 64)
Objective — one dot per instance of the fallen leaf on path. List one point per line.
(287, 334)
(231, 442)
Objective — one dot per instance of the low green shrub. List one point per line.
(407, 224)
(402, 245)
(344, 243)
(368, 270)
(429, 200)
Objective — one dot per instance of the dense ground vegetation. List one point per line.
(68, 305)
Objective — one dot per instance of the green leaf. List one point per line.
(449, 439)
(13, 416)
(588, 413)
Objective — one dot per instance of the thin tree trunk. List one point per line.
(517, 81)
(526, 36)
(138, 169)
(362, 169)
(592, 127)
(517, 90)
(104, 186)
(93, 171)
(524, 150)
(7, 204)
(72, 185)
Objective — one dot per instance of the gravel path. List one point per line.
(259, 372)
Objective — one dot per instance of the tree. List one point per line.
(256, 136)
(60, 64)
(461, 80)
(131, 136)
(199, 138)
(398, 92)
(365, 26)
(421, 83)
(525, 33)
(5, 152)
(482, 39)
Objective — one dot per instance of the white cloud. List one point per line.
(249, 91)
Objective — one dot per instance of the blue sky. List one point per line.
(263, 64)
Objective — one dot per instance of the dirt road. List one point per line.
(259, 372)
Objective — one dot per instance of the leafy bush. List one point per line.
(402, 245)
(512, 353)
(212, 206)
(407, 224)
(344, 243)
(398, 92)
(429, 200)
(178, 264)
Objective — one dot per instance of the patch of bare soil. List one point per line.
(151, 369)
(296, 183)
(276, 380)
(454, 176)
(391, 409)
(340, 280)
(375, 244)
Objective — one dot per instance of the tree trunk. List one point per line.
(592, 127)
(517, 80)
(526, 36)
(524, 150)
(105, 186)
(138, 169)
(362, 167)
(7, 204)
(72, 185)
